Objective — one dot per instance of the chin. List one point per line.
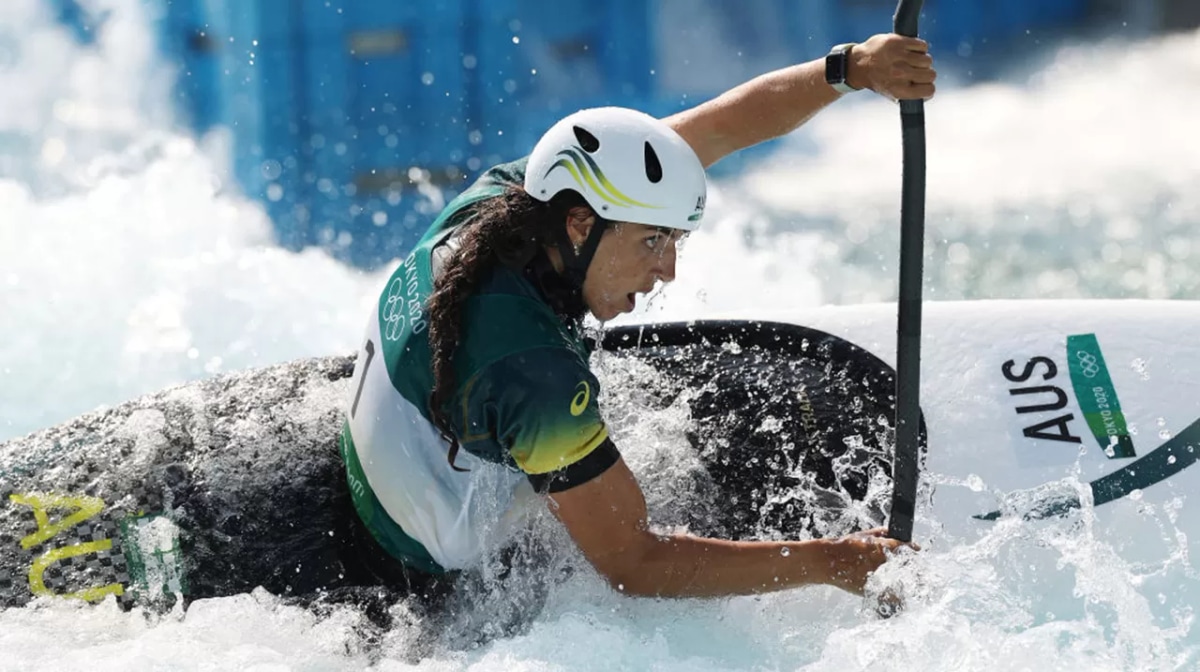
(606, 313)
(608, 307)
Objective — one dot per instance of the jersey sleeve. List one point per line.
(541, 407)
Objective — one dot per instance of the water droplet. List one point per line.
(1136, 495)
(1139, 366)
(975, 483)
(1171, 459)
(621, 587)
(271, 169)
(785, 551)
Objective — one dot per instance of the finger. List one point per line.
(907, 73)
(918, 60)
(914, 44)
(912, 91)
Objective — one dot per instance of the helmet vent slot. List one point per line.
(653, 166)
(587, 141)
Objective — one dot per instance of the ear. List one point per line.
(579, 224)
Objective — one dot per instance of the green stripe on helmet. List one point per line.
(565, 163)
(591, 174)
(613, 189)
(589, 178)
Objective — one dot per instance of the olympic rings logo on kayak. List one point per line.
(1089, 364)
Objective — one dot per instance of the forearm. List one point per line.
(778, 102)
(686, 566)
(766, 107)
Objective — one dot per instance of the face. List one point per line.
(630, 260)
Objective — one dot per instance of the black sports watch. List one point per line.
(837, 67)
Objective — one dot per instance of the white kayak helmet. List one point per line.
(627, 165)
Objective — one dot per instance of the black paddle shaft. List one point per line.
(906, 466)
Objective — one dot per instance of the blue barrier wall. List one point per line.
(355, 120)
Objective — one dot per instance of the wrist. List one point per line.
(816, 559)
(856, 68)
(827, 552)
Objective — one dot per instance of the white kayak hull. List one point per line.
(1029, 403)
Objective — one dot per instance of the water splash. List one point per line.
(130, 262)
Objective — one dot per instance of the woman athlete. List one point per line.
(472, 399)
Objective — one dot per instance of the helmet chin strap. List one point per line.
(575, 264)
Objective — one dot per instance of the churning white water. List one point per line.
(129, 262)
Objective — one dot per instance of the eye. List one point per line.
(654, 241)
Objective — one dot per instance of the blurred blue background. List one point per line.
(353, 121)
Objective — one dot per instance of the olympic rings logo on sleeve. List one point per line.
(403, 304)
(392, 313)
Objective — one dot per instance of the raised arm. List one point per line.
(606, 517)
(778, 102)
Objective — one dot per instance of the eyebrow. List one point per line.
(677, 234)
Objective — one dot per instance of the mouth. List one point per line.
(632, 296)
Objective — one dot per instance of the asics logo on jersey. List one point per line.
(580, 401)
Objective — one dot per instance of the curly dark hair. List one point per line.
(509, 229)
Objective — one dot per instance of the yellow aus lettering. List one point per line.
(37, 571)
(580, 401)
(85, 507)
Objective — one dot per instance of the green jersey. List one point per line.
(524, 407)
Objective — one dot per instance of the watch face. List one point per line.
(835, 68)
